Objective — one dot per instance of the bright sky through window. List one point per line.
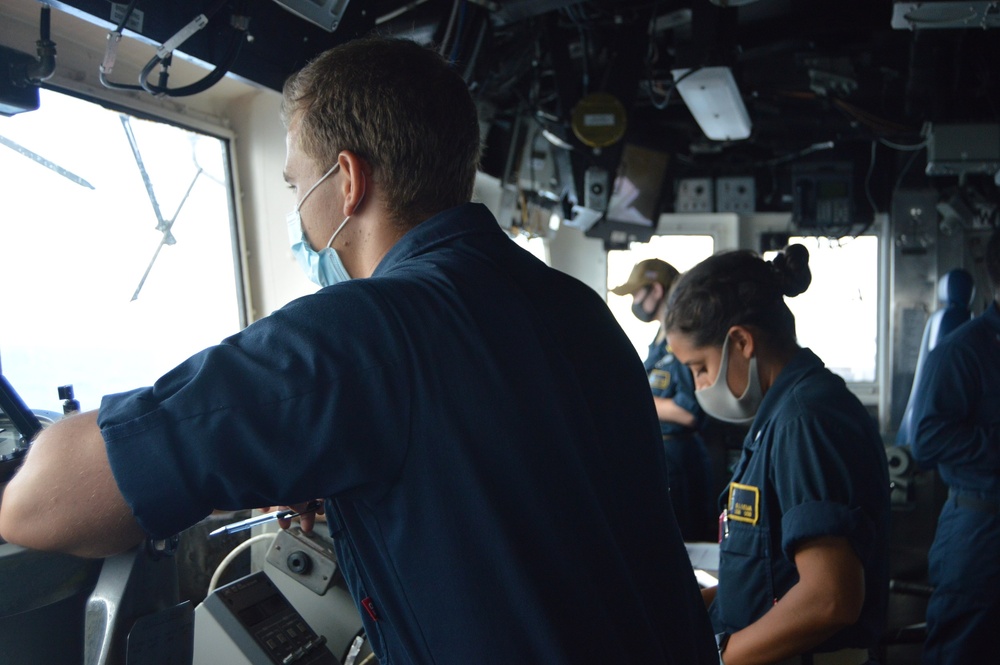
(74, 256)
(837, 316)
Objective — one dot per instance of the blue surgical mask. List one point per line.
(323, 267)
(719, 401)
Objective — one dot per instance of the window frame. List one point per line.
(211, 130)
(722, 228)
(216, 130)
(870, 393)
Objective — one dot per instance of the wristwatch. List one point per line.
(721, 640)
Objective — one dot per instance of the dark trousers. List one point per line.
(963, 614)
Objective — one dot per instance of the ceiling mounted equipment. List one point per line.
(599, 120)
(945, 15)
(326, 15)
(715, 102)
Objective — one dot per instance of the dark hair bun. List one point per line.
(791, 270)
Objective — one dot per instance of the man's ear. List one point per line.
(657, 290)
(355, 183)
(741, 341)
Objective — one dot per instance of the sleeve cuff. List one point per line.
(816, 519)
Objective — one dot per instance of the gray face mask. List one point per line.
(719, 401)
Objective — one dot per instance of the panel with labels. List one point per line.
(823, 197)
(253, 615)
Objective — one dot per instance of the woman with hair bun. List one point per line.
(803, 534)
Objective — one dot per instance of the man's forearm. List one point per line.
(64, 498)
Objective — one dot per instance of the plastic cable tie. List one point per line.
(199, 22)
(111, 52)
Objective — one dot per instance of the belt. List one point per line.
(842, 657)
(970, 502)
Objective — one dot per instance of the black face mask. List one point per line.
(641, 313)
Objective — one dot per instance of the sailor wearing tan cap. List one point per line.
(689, 470)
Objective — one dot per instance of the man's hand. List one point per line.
(308, 514)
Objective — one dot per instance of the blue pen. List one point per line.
(251, 522)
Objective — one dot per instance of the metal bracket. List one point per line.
(306, 558)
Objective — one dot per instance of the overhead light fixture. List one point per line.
(327, 14)
(715, 102)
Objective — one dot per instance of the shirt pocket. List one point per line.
(746, 586)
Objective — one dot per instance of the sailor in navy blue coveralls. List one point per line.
(512, 509)
(813, 465)
(689, 469)
(957, 416)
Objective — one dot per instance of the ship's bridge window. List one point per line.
(681, 251)
(118, 249)
(837, 316)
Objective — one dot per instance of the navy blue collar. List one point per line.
(803, 363)
(466, 219)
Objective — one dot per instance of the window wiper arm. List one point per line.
(52, 166)
(162, 225)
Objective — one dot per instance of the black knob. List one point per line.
(299, 562)
(70, 405)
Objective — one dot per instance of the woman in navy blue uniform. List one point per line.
(803, 570)
(957, 430)
(689, 468)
